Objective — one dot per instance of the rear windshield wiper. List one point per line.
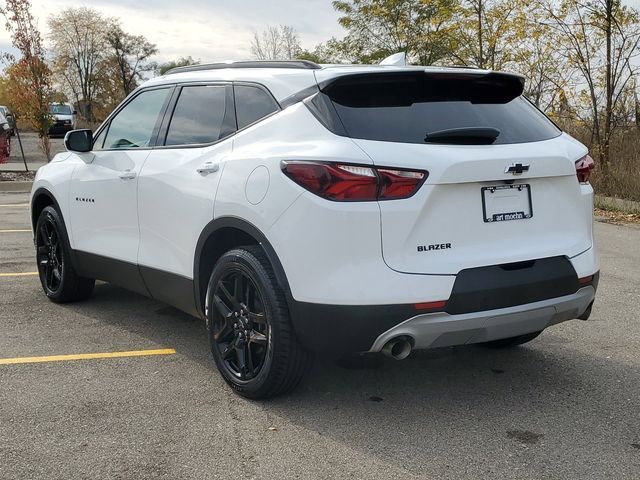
(464, 136)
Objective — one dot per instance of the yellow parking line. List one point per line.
(15, 205)
(21, 274)
(16, 230)
(86, 356)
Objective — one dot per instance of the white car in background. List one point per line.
(301, 208)
(63, 117)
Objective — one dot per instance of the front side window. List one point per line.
(199, 115)
(252, 104)
(134, 125)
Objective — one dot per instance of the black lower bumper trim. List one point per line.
(501, 286)
(342, 329)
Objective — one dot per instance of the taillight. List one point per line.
(355, 183)
(583, 168)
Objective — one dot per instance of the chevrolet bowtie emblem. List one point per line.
(516, 168)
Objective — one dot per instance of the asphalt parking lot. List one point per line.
(567, 405)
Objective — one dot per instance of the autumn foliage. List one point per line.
(29, 79)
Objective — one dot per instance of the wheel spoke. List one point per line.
(257, 318)
(229, 349)
(258, 337)
(223, 310)
(231, 298)
(42, 232)
(250, 368)
(242, 362)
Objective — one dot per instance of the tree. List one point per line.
(378, 28)
(80, 47)
(600, 40)
(29, 79)
(487, 32)
(130, 54)
(180, 62)
(533, 52)
(276, 43)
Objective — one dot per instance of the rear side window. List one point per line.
(408, 108)
(252, 104)
(198, 116)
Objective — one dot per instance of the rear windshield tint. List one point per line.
(408, 107)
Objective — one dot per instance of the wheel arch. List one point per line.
(220, 236)
(40, 199)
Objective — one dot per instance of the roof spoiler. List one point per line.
(479, 86)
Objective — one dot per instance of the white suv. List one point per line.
(303, 208)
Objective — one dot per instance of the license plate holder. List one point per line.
(502, 203)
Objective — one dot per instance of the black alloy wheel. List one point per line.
(250, 331)
(240, 330)
(58, 276)
(49, 255)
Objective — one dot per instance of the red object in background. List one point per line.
(5, 145)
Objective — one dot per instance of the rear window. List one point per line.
(198, 117)
(409, 107)
(252, 104)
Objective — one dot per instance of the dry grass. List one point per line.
(624, 174)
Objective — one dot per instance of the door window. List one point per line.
(199, 115)
(134, 125)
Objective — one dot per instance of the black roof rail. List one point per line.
(306, 64)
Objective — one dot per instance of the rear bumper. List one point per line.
(443, 330)
(484, 303)
(340, 329)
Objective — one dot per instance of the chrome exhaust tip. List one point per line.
(397, 348)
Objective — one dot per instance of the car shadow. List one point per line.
(530, 401)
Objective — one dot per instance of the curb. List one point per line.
(15, 187)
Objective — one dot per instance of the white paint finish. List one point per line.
(448, 208)
(108, 225)
(331, 254)
(293, 134)
(257, 185)
(56, 178)
(176, 203)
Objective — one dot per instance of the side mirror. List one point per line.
(75, 112)
(79, 141)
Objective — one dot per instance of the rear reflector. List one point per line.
(349, 183)
(439, 305)
(585, 280)
(584, 167)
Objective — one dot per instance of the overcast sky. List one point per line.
(208, 30)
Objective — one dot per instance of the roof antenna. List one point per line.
(397, 59)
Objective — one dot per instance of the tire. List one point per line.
(60, 282)
(249, 328)
(511, 341)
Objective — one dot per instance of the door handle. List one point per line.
(128, 175)
(208, 168)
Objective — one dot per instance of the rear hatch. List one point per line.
(501, 186)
